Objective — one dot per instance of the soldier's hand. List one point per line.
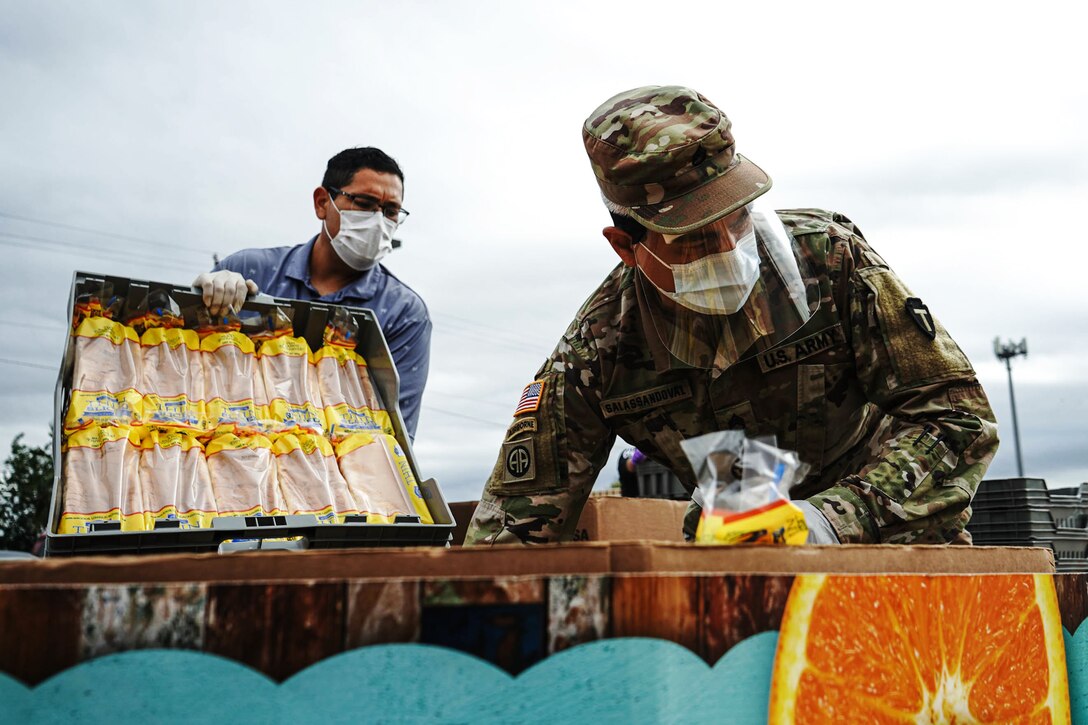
(224, 290)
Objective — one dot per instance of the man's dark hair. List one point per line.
(342, 167)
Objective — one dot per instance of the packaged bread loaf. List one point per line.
(234, 393)
(175, 479)
(309, 479)
(380, 478)
(351, 403)
(102, 479)
(172, 381)
(106, 367)
(243, 476)
(289, 375)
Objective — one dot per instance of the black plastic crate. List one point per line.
(1012, 485)
(309, 320)
(657, 481)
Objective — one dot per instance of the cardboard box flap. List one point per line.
(672, 558)
(413, 562)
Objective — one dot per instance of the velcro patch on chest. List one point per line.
(518, 461)
(645, 399)
(798, 350)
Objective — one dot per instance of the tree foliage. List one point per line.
(25, 489)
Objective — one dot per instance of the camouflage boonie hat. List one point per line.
(667, 153)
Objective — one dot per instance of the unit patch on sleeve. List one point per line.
(518, 461)
(530, 397)
(522, 425)
(645, 399)
(922, 317)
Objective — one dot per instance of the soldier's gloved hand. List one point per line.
(224, 290)
(819, 528)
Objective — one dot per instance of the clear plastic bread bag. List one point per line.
(743, 488)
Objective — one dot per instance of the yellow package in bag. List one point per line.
(780, 522)
(742, 489)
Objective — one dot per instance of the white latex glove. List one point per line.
(819, 528)
(224, 290)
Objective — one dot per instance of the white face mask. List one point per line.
(364, 237)
(717, 284)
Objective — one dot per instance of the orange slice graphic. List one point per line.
(920, 649)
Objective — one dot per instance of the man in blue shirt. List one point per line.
(359, 205)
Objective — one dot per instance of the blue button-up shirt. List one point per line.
(285, 272)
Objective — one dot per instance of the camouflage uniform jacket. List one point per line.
(895, 425)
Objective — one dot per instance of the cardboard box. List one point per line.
(653, 557)
(646, 558)
(614, 518)
(607, 518)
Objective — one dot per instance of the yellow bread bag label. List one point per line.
(176, 411)
(215, 340)
(341, 354)
(105, 327)
(103, 408)
(173, 336)
(294, 415)
(780, 522)
(344, 420)
(175, 479)
(287, 345)
(243, 417)
(101, 479)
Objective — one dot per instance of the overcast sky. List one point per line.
(951, 133)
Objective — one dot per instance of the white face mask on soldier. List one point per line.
(717, 284)
(364, 237)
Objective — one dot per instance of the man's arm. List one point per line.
(922, 469)
(550, 456)
(410, 347)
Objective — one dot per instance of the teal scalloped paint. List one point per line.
(631, 680)
(398, 683)
(156, 686)
(1076, 665)
(16, 701)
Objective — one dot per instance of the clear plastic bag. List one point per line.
(743, 486)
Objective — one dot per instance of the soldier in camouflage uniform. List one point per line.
(870, 390)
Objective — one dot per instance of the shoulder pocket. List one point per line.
(915, 357)
(529, 462)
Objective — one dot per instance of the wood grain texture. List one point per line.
(739, 606)
(39, 631)
(1072, 599)
(277, 628)
(666, 607)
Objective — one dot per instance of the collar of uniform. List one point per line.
(297, 267)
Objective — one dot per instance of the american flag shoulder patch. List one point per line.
(530, 397)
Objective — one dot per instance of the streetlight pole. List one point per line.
(1006, 352)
